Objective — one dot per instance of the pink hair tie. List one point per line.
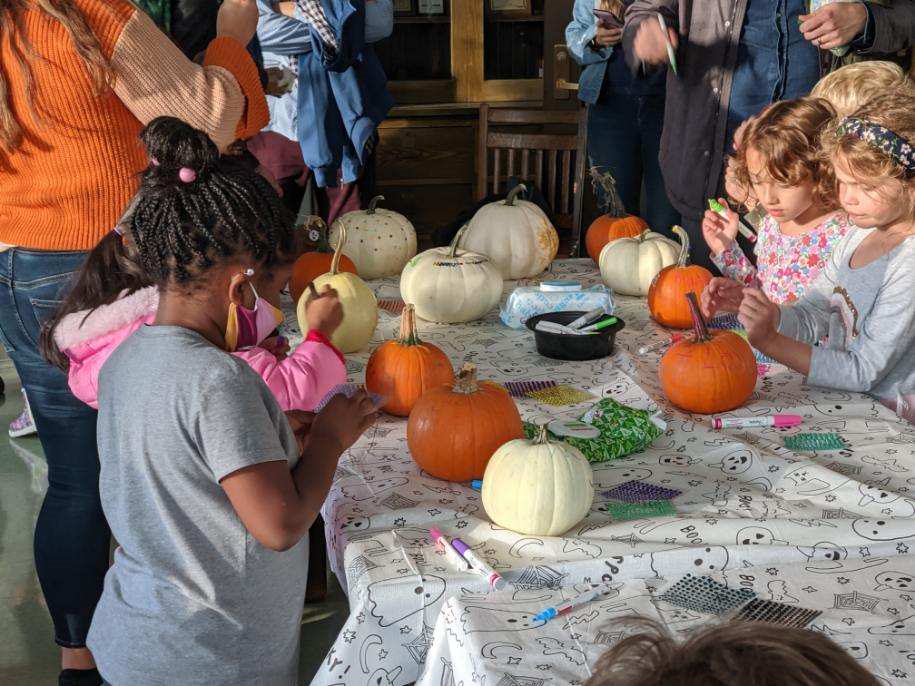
(153, 161)
(187, 175)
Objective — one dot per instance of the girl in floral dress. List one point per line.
(779, 161)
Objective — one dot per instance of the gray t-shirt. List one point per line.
(192, 597)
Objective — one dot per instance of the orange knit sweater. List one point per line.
(77, 167)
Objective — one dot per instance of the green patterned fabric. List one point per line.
(622, 512)
(623, 431)
(159, 10)
(814, 442)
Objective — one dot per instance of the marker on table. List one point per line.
(670, 48)
(745, 229)
(674, 338)
(495, 580)
(453, 556)
(567, 606)
(779, 421)
(476, 484)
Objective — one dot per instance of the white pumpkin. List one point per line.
(515, 234)
(360, 308)
(629, 265)
(380, 243)
(448, 285)
(537, 488)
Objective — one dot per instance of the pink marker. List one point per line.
(779, 421)
(451, 554)
(495, 580)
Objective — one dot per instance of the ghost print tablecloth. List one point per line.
(803, 528)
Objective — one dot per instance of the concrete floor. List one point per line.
(28, 656)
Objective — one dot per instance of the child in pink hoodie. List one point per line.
(112, 299)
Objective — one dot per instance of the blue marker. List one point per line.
(569, 605)
(476, 484)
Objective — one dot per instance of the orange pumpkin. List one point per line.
(311, 265)
(713, 372)
(614, 222)
(667, 293)
(402, 370)
(454, 429)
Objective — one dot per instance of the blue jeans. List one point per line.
(624, 136)
(71, 536)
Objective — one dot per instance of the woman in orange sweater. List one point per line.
(78, 80)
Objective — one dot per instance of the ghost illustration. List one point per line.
(677, 461)
(901, 627)
(812, 480)
(824, 555)
(482, 618)
(698, 560)
(737, 460)
(778, 591)
(875, 497)
(353, 523)
(884, 529)
(372, 489)
(673, 614)
(897, 581)
(757, 535)
(857, 649)
(384, 677)
(387, 605)
(619, 475)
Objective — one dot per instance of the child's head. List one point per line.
(203, 221)
(778, 159)
(849, 88)
(746, 653)
(874, 161)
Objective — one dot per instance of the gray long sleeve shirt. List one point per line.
(865, 318)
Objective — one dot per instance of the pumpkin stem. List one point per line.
(338, 253)
(316, 231)
(373, 204)
(543, 437)
(683, 259)
(699, 325)
(466, 381)
(612, 205)
(520, 188)
(408, 326)
(457, 241)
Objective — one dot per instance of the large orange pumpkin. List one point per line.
(311, 265)
(713, 372)
(454, 429)
(404, 369)
(667, 294)
(614, 222)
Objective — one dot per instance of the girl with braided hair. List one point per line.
(208, 486)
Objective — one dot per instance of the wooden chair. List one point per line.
(554, 162)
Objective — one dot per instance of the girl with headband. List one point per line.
(860, 308)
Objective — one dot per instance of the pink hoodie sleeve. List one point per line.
(300, 381)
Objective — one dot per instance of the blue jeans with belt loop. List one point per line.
(72, 537)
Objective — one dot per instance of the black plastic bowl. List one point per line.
(569, 347)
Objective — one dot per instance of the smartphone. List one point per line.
(608, 20)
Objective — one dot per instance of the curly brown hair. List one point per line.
(746, 653)
(786, 134)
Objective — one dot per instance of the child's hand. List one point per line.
(277, 346)
(719, 233)
(759, 316)
(323, 312)
(343, 420)
(721, 295)
(301, 426)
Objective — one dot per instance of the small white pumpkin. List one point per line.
(381, 241)
(448, 285)
(537, 488)
(629, 265)
(515, 234)
(360, 308)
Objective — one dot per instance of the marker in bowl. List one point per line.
(495, 580)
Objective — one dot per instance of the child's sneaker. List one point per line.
(23, 425)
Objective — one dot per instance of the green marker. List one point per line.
(600, 325)
(722, 212)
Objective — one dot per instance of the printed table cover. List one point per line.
(799, 527)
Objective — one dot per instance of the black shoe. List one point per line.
(79, 677)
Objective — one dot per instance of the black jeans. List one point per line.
(71, 537)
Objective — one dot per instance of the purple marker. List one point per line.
(495, 581)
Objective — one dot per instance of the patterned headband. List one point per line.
(880, 138)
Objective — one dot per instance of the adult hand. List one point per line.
(834, 25)
(720, 295)
(343, 420)
(323, 311)
(759, 316)
(237, 19)
(607, 37)
(649, 44)
(719, 232)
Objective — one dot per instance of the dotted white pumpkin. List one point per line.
(380, 241)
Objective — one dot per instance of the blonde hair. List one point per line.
(850, 87)
(786, 135)
(746, 653)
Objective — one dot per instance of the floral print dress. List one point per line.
(784, 264)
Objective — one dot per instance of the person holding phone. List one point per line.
(625, 111)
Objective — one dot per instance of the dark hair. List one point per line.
(109, 272)
(747, 653)
(197, 208)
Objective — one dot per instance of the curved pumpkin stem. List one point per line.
(543, 437)
(699, 325)
(338, 253)
(683, 258)
(408, 326)
(520, 188)
(466, 382)
(457, 241)
(373, 204)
